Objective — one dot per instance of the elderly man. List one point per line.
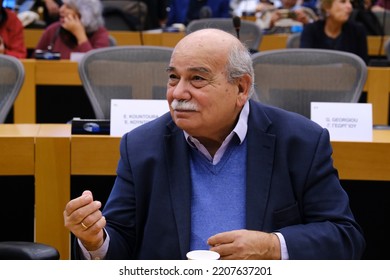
(219, 172)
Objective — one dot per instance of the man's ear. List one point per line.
(244, 87)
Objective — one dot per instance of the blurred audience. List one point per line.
(51, 11)
(79, 29)
(11, 34)
(177, 11)
(253, 7)
(335, 30)
(381, 5)
(282, 18)
(292, 9)
(183, 11)
(362, 13)
(157, 13)
(140, 15)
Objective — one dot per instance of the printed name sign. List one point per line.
(345, 121)
(127, 114)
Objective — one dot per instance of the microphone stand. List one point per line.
(237, 25)
(141, 25)
(385, 4)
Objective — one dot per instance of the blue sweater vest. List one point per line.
(218, 194)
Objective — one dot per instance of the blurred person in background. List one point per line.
(296, 12)
(51, 10)
(282, 18)
(11, 34)
(48, 10)
(157, 13)
(335, 31)
(183, 11)
(362, 12)
(79, 29)
(140, 15)
(380, 5)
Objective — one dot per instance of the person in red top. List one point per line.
(80, 29)
(11, 34)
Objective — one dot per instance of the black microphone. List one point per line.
(141, 23)
(237, 25)
(205, 12)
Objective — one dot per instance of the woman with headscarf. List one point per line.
(79, 29)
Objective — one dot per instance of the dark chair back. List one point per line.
(293, 78)
(124, 72)
(21, 250)
(11, 81)
(250, 33)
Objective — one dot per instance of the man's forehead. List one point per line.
(201, 69)
(207, 38)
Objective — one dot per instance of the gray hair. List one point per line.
(240, 63)
(90, 11)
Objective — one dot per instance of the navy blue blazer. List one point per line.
(292, 187)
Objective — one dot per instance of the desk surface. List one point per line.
(17, 155)
(371, 162)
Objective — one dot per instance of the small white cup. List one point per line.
(202, 255)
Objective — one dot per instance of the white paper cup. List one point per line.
(203, 255)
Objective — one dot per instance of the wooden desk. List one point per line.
(65, 72)
(44, 152)
(57, 155)
(17, 149)
(122, 38)
(52, 186)
(378, 93)
(269, 42)
(371, 162)
(364, 160)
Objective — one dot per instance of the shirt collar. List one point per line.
(240, 129)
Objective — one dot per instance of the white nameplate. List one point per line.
(127, 114)
(345, 121)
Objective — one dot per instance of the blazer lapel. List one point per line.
(179, 185)
(261, 150)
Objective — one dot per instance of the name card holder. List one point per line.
(345, 121)
(127, 114)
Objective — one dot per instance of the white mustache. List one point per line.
(184, 105)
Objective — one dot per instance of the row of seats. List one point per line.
(116, 21)
(293, 41)
(287, 78)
